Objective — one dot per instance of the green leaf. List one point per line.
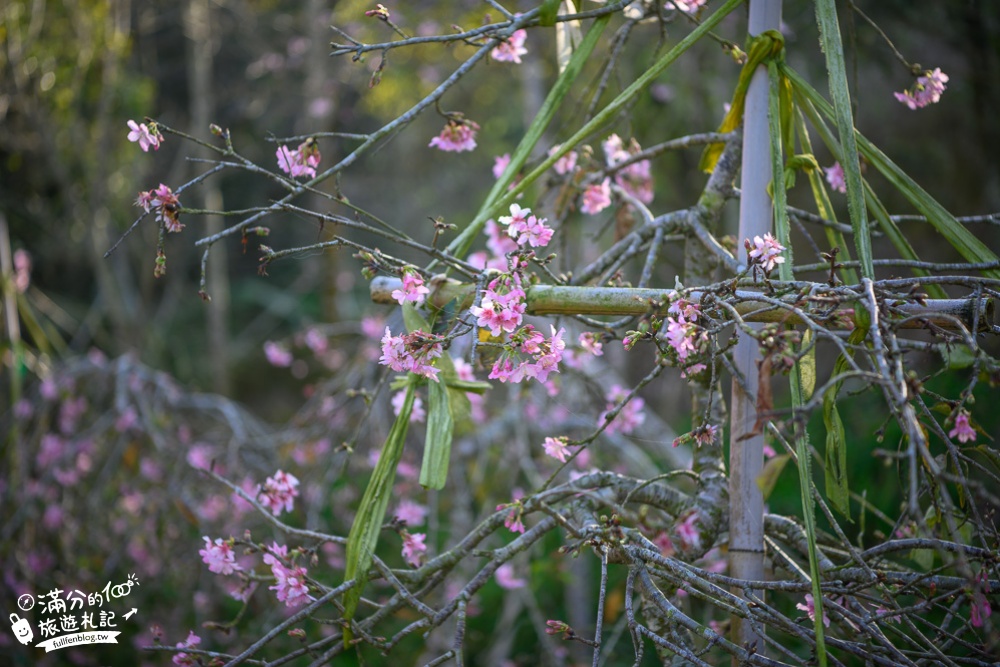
(771, 472)
(807, 366)
(568, 35)
(437, 444)
(548, 12)
(837, 489)
(956, 356)
(781, 227)
(829, 32)
(413, 320)
(363, 538)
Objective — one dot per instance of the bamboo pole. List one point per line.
(746, 451)
(617, 301)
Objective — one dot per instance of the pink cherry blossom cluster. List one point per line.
(502, 307)
(529, 354)
(688, 534)
(413, 547)
(457, 136)
(927, 90)
(277, 354)
(182, 658)
(684, 335)
(299, 162)
(512, 521)
(220, 556)
(596, 197)
(279, 492)
(413, 289)
(631, 415)
(765, 252)
(525, 228)
(166, 204)
(566, 164)
(507, 579)
(290, 581)
(146, 136)
(635, 179)
(835, 177)
(411, 353)
(511, 49)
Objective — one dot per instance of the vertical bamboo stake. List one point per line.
(746, 456)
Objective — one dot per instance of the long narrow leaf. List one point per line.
(781, 228)
(829, 32)
(437, 444)
(363, 538)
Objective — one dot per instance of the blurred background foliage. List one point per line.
(74, 71)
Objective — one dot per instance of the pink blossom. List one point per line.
(22, 270)
(412, 352)
(457, 136)
(706, 435)
(524, 227)
(591, 342)
(275, 554)
(963, 429)
(299, 162)
(556, 448)
(279, 492)
(183, 658)
(927, 90)
(596, 197)
(166, 204)
(686, 309)
(512, 521)
(290, 584)
(631, 415)
(688, 533)
(511, 49)
(506, 579)
(614, 150)
(766, 252)
(144, 136)
(371, 327)
(315, 340)
(413, 547)
(835, 177)
(566, 164)
(277, 355)
(410, 512)
(500, 163)
(413, 288)
(810, 608)
(500, 312)
(219, 557)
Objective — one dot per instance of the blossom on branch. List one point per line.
(290, 584)
(629, 417)
(765, 252)
(299, 162)
(413, 288)
(412, 352)
(511, 49)
(506, 579)
(219, 557)
(166, 204)
(596, 197)
(556, 448)
(457, 136)
(810, 608)
(413, 547)
(147, 137)
(927, 90)
(566, 164)
(525, 228)
(963, 429)
(279, 492)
